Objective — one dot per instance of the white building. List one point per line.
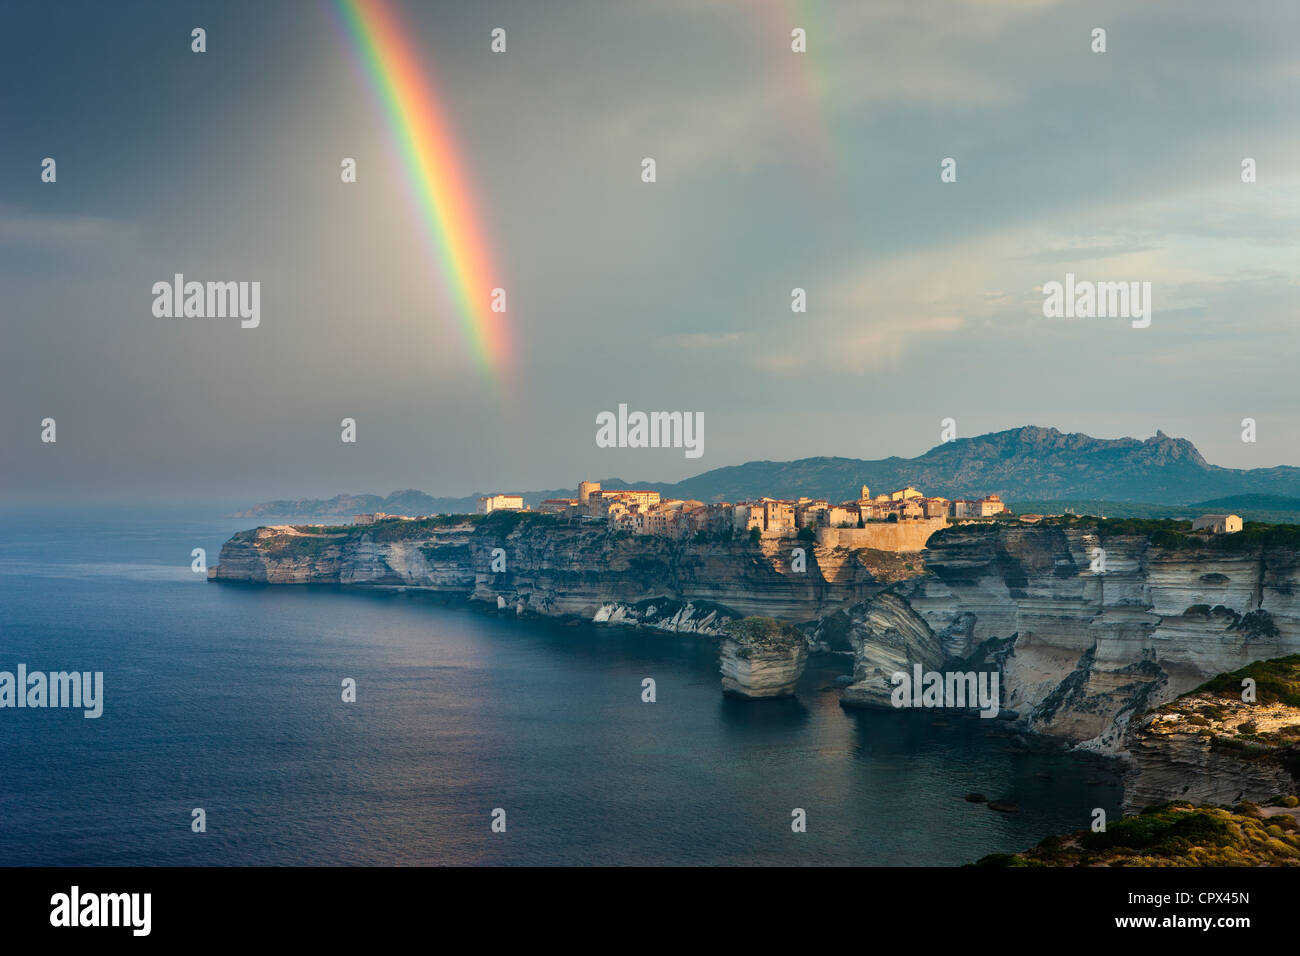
(490, 503)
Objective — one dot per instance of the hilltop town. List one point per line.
(643, 512)
(899, 520)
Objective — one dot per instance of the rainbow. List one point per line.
(426, 141)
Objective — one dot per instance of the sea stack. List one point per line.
(761, 657)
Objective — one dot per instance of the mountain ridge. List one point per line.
(1032, 463)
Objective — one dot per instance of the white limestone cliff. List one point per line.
(761, 658)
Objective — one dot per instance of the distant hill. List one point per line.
(1030, 463)
(1020, 464)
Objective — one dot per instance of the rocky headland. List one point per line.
(1088, 624)
(542, 564)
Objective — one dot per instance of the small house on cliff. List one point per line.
(1217, 524)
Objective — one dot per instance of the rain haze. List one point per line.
(775, 170)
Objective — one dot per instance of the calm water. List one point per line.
(228, 698)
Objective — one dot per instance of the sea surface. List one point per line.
(229, 698)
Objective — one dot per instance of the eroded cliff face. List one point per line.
(578, 571)
(886, 636)
(1083, 640)
(1236, 737)
(1086, 640)
(283, 554)
(665, 614)
(553, 568)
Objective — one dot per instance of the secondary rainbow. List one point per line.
(427, 143)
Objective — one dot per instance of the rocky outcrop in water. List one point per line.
(886, 636)
(761, 657)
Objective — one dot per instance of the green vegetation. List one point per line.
(755, 630)
(1162, 832)
(1111, 509)
(1276, 681)
(398, 529)
(1277, 509)
(314, 540)
(301, 546)
(963, 531)
(1174, 834)
(1173, 534)
(514, 519)
(1170, 531)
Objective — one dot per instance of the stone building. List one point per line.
(598, 502)
(490, 503)
(1218, 524)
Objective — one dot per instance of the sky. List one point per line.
(775, 170)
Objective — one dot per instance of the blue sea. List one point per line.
(228, 698)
